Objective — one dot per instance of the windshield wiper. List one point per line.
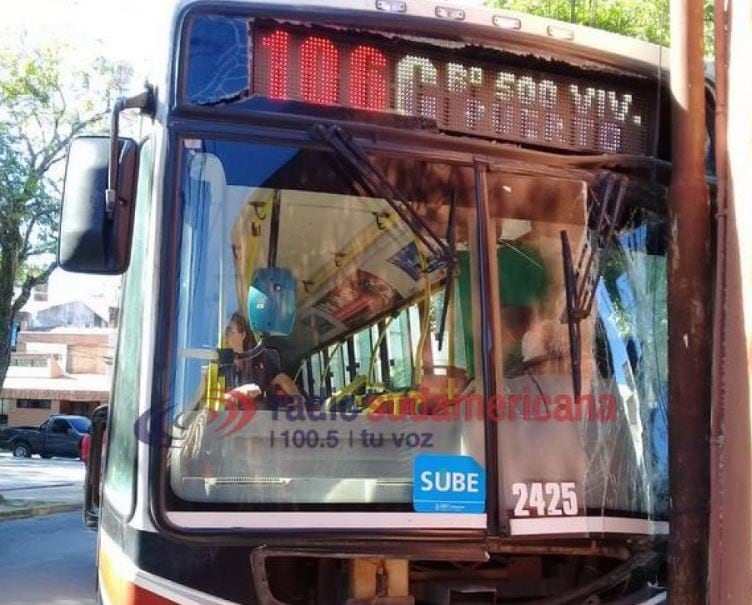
(377, 185)
(581, 281)
(572, 314)
(603, 227)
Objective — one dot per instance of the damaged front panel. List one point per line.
(582, 435)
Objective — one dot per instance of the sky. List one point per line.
(124, 29)
(130, 30)
(117, 29)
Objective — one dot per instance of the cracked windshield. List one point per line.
(327, 338)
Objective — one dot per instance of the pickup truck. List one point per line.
(59, 435)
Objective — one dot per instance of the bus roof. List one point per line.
(539, 36)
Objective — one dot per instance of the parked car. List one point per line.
(59, 435)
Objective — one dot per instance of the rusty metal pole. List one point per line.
(689, 292)
(718, 553)
(731, 439)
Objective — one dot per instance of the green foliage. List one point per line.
(643, 19)
(45, 100)
(43, 105)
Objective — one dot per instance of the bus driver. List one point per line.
(257, 377)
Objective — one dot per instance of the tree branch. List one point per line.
(30, 282)
(30, 151)
(23, 254)
(53, 154)
(55, 186)
(42, 130)
(48, 248)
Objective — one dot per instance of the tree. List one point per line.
(643, 19)
(43, 105)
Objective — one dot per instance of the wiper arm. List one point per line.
(603, 227)
(573, 316)
(579, 283)
(377, 185)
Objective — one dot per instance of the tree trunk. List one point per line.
(8, 268)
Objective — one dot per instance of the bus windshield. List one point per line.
(333, 412)
(375, 355)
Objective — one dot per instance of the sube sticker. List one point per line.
(448, 484)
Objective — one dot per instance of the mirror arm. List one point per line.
(145, 101)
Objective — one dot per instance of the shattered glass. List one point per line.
(218, 58)
(632, 316)
(610, 444)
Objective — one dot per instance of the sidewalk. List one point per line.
(32, 487)
(40, 501)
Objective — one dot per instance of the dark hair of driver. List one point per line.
(239, 321)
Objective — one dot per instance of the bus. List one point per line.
(394, 324)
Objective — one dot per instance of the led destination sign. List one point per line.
(482, 98)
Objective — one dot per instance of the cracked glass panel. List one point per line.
(335, 412)
(631, 359)
(594, 460)
(218, 64)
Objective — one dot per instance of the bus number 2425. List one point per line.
(549, 499)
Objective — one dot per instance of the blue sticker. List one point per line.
(409, 261)
(448, 484)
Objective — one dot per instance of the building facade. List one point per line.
(57, 372)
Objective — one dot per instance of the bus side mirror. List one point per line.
(93, 237)
(95, 467)
(272, 301)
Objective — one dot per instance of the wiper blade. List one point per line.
(581, 281)
(377, 185)
(572, 315)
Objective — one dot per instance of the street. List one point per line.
(56, 479)
(44, 559)
(47, 560)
